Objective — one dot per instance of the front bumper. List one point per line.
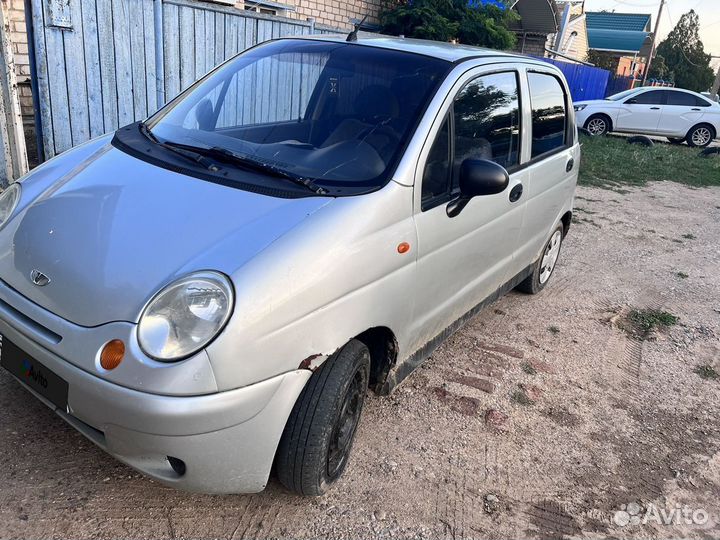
(226, 440)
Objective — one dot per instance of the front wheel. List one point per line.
(700, 136)
(543, 268)
(598, 125)
(318, 436)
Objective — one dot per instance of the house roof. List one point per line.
(602, 39)
(618, 32)
(634, 22)
(537, 16)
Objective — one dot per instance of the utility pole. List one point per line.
(654, 42)
(716, 85)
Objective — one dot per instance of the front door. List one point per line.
(642, 112)
(463, 259)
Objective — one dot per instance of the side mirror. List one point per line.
(478, 177)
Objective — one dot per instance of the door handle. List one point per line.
(570, 165)
(698, 110)
(654, 108)
(516, 192)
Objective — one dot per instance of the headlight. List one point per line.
(8, 201)
(185, 316)
(579, 107)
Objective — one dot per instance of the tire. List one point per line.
(700, 136)
(598, 125)
(536, 281)
(318, 436)
(675, 140)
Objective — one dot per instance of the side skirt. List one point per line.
(407, 366)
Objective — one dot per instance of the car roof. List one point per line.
(670, 88)
(436, 49)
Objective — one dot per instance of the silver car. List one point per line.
(212, 291)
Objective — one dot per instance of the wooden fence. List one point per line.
(102, 64)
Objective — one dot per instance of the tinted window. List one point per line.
(653, 97)
(483, 123)
(549, 116)
(437, 167)
(685, 100)
(681, 98)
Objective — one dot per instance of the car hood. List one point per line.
(111, 230)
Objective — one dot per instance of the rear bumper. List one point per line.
(226, 440)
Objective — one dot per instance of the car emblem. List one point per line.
(38, 278)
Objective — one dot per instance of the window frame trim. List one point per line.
(450, 194)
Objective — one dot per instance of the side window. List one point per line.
(549, 113)
(483, 123)
(487, 121)
(681, 98)
(653, 97)
(436, 176)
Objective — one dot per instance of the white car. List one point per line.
(679, 115)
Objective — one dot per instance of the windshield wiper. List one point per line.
(247, 162)
(196, 157)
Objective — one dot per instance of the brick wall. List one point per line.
(334, 13)
(15, 11)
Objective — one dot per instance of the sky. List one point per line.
(708, 10)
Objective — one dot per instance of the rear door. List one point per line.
(552, 166)
(682, 111)
(642, 112)
(463, 259)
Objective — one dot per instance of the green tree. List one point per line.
(468, 22)
(684, 58)
(603, 60)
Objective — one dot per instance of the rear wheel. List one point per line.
(543, 268)
(316, 443)
(675, 140)
(598, 125)
(700, 136)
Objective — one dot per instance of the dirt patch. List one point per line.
(618, 420)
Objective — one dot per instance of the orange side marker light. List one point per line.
(403, 247)
(112, 354)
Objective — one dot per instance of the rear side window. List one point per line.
(653, 97)
(549, 113)
(685, 100)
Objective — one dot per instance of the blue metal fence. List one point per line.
(585, 82)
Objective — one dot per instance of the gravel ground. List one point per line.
(539, 419)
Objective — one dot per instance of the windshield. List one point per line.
(339, 114)
(623, 95)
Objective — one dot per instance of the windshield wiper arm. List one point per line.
(187, 153)
(250, 163)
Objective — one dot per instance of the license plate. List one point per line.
(33, 373)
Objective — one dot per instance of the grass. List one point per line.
(706, 372)
(682, 275)
(613, 163)
(647, 320)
